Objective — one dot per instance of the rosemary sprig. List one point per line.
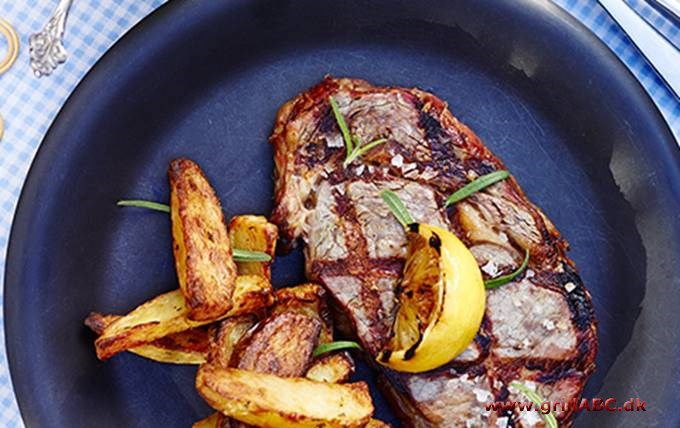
(532, 395)
(504, 279)
(397, 207)
(325, 348)
(250, 256)
(238, 254)
(360, 150)
(139, 203)
(353, 145)
(349, 145)
(476, 185)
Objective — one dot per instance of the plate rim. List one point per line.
(126, 46)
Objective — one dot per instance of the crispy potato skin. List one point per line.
(216, 420)
(254, 233)
(225, 336)
(281, 345)
(311, 300)
(203, 256)
(98, 322)
(186, 347)
(168, 313)
(375, 423)
(209, 422)
(271, 401)
(306, 299)
(331, 368)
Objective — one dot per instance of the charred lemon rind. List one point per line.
(445, 321)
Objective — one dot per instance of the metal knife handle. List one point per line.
(46, 48)
(660, 53)
(671, 6)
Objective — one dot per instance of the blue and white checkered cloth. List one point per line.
(29, 105)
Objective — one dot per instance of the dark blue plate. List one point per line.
(204, 79)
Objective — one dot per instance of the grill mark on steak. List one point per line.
(539, 329)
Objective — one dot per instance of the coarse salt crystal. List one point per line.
(429, 173)
(408, 167)
(411, 173)
(569, 286)
(360, 170)
(335, 140)
(482, 395)
(502, 422)
(490, 268)
(531, 418)
(397, 161)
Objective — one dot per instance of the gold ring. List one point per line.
(12, 45)
(2, 127)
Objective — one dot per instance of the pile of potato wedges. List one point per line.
(254, 345)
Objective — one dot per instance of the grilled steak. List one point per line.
(538, 330)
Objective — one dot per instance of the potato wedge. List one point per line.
(185, 347)
(262, 346)
(281, 345)
(225, 336)
(216, 420)
(203, 258)
(375, 423)
(209, 422)
(311, 300)
(98, 322)
(331, 368)
(306, 299)
(168, 313)
(271, 401)
(254, 233)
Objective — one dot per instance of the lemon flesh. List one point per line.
(441, 302)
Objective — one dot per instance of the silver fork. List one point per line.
(46, 48)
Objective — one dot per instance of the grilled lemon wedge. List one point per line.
(441, 302)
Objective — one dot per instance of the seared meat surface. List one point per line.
(539, 329)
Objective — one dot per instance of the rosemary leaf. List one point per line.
(364, 149)
(532, 395)
(238, 254)
(324, 348)
(250, 256)
(476, 185)
(360, 150)
(504, 279)
(342, 125)
(397, 207)
(356, 142)
(157, 206)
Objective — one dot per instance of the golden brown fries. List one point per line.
(185, 347)
(281, 345)
(311, 300)
(168, 313)
(225, 335)
(209, 422)
(254, 233)
(216, 420)
(306, 299)
(271, 401)
(331, 368)
(203, 256)
(375, 423)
